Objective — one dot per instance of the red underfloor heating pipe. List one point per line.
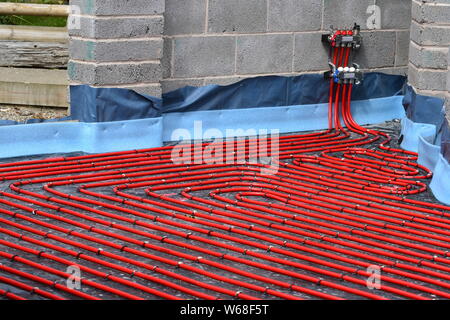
(309, 231)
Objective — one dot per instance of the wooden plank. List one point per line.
(34, 87)
(33, 33)
(32, 9)
(50, 55)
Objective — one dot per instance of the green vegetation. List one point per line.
(32, 20)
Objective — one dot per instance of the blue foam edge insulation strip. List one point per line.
(65, 137)
(425, 131)
(419, 137)
(195, 125)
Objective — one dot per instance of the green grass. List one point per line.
(32, 20)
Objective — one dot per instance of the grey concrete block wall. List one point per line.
(396, 14)
(203, 56)
(428, 81)
(268, 53)
(428, 57)
(402, 47)
(118, 44)
(199, 42)
(378, 49)
(305, 43)
(338, 13)
(294, 15)
(119, 8)
(185, 17)
(114, 73)
(431, 12)
(247, 16)
(126, 50)
(280, 37)
(119, 27)
(430, 39)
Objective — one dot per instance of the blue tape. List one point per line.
(440, 185)
(430, 110)
(411, 132)
(428, 153)
(419, 137)
(423, 109)
(285, 119)
(65, 137)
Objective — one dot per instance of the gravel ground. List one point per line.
(24, 113)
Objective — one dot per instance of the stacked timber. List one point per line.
(20, 54)
(36, 47)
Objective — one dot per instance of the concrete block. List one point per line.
(114, 7)
(343, 14)
(426, 79)
(295, 15)
(113, 51)
(448, 58)
(153, 90)
(436, 13)
(395, 14)
(264, 54)
(119, 27)
(184, 17)
(428, 57)
(448, 80)
(402, 51)
(310, 54)
(204, 56)
(430, 35)
(447, 107)
(237, 16)
(223, 81)
(431, 93)
(174, 84)
(402, 71)
(378, 49)
(166, 61)
(448, 71)
(114, 73)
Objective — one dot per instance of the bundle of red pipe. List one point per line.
(311, 230)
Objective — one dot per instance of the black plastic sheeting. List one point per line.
(414, 104)
(111, 104)
(431, 110)
(100, 104)
(272, 91)
(445, 141)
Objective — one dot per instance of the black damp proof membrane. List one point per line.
(393, 128)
